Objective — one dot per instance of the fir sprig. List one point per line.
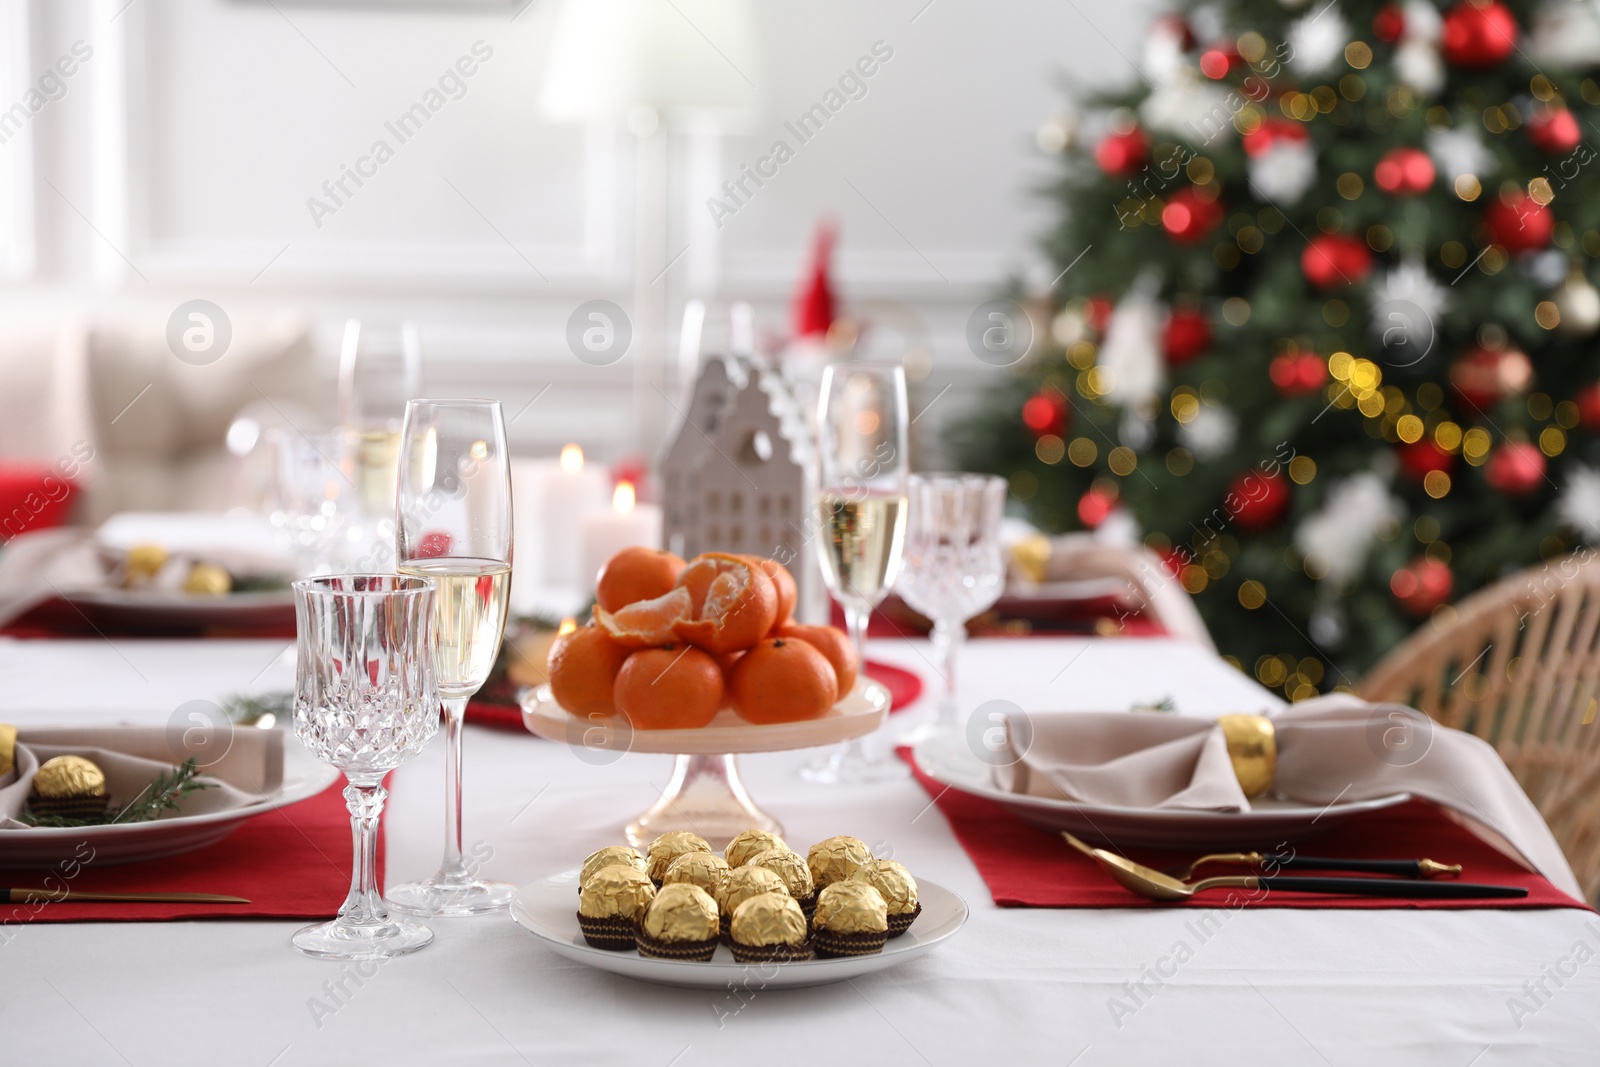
(156, 799)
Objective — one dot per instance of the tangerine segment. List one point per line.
(635, 574)
(782, 680)
(835, 648)
(583, 668)
(648, 623)
(783, 583)
(669, 689)
(732, 603)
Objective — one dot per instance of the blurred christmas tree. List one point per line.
(1326, 326)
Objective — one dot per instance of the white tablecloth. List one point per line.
(1016, 987)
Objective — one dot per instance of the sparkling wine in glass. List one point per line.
(365, 701)
(954, 568)
(862, 465)
(380, 369)
(454, 527)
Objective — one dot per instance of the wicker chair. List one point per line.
(1518, 664)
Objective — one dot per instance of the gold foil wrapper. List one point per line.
(836, 859)
(616, 892)
(788, 866)
(746, 882)
(8, 748)
(65, 777)
(610, 856)
(142, 564)
(208, 579)
(1253, 748)
(851, 907)
(768, 919)
(682, 912)
(746, 844)
(704, 869)
(669, 846)
(893, 882)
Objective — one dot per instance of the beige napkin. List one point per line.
(1331, 748)
(132, 757)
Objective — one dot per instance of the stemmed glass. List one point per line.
(954, 568)
(311, 494)
(365, 702)
(379, 370)
(862, 465)
(454, 526)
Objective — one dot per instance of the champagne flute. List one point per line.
(365, 702)
(380, 368)
(454, 526)
(862, 463)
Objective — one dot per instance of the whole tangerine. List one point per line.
(782, 680)
(783, 583)
(583, 668)
(733, 603)
(637, 573)
(835, 647)
(669, 688)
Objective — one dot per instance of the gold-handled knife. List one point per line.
(52, 896)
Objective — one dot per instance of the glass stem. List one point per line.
(856, 616)
(947, 639)
(364, 906)
(453, 869)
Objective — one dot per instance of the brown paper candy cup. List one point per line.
(899, 924)
(613, 933)
(692, 951)
(829, 944)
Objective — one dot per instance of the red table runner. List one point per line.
(291, 863)
(1026, 867)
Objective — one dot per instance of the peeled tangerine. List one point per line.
(782, 680)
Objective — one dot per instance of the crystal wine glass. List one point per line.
(365, 701)
(454, 526)
(862, 464)
(953, 567)
(380, 369)
(311, 495)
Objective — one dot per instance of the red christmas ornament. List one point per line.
(1094, 506)
(1404, 172)
(1257, 501)
(1098, 313)
(1475, 37)
(1335, 259)
(1298, 373)
(1554, 131)
(1189, 217)
(1272, 131)
(1515, 469)
(1217, 61)
(1482, 377)
(1519, 223)
(1389, 24)
(1045, 412)
(1122, 154)
(1421, 585)
(1421, 458)
(1187, 334)
(1588, 401)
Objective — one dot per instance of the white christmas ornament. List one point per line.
(1211, 433)
(1190, 107)
(1458, 152)
(1579, 503)
(1579, 304)
(1339, 534)
(1406, 309)
(1419, 66)
(1163, 51)
(1131, 351)
(1422, 21)
(1566, 34)
(1317, 41)
(1283, 173)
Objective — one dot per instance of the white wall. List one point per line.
(180, 159)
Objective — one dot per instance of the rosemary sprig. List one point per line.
(157, 798)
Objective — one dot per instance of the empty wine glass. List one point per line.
(953, 567)
(365, 701)
(861, 503)
(311, 495)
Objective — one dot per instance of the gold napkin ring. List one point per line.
(1253, 748)
(8, 748)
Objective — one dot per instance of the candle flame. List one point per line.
(568, 625)
(571, 459)
(623, 499)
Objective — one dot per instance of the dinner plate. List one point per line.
(948, 760)
(119, 608)
(548, 909)
(40, 846)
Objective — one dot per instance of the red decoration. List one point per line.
(1273, 131)
(1257, 501)
(1515, 469)
(1554, 131)
(1045, 412)
(1421, 458)
(1098, 313)
(1519, 223)
(813, 304)
(1483, 377)
(1389, 24)
(1177, 26)
(1588, 401)
(1298, 373)
(1187, 334)
(1217, 61)
(1189, 216)
(433, 544)
(1094, 506)
(1421, 585)
(1404, 172)
(1476, 37)
(1122, 154)
(1335, 259)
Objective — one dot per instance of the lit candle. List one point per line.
(550, 497)
(625, 524)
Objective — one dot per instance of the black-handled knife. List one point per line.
(1389, 887)
(1418, 868)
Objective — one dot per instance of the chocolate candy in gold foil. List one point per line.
(610, 856)
(669, 846)
(616, 892)
(893, 882)
(768, 919)
(68, 785)
(208, 579)
(682, 912)
(851, 907)
(746, 882)
(8, 749)
(704, 869)
(788, 866)
(836, 859)
(142, 564)
(747, 843)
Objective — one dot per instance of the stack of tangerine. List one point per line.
(672, 643)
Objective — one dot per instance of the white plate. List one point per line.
(949, 761)
(134, 607)
(858, 714)
(303, 776)
(548, 909)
